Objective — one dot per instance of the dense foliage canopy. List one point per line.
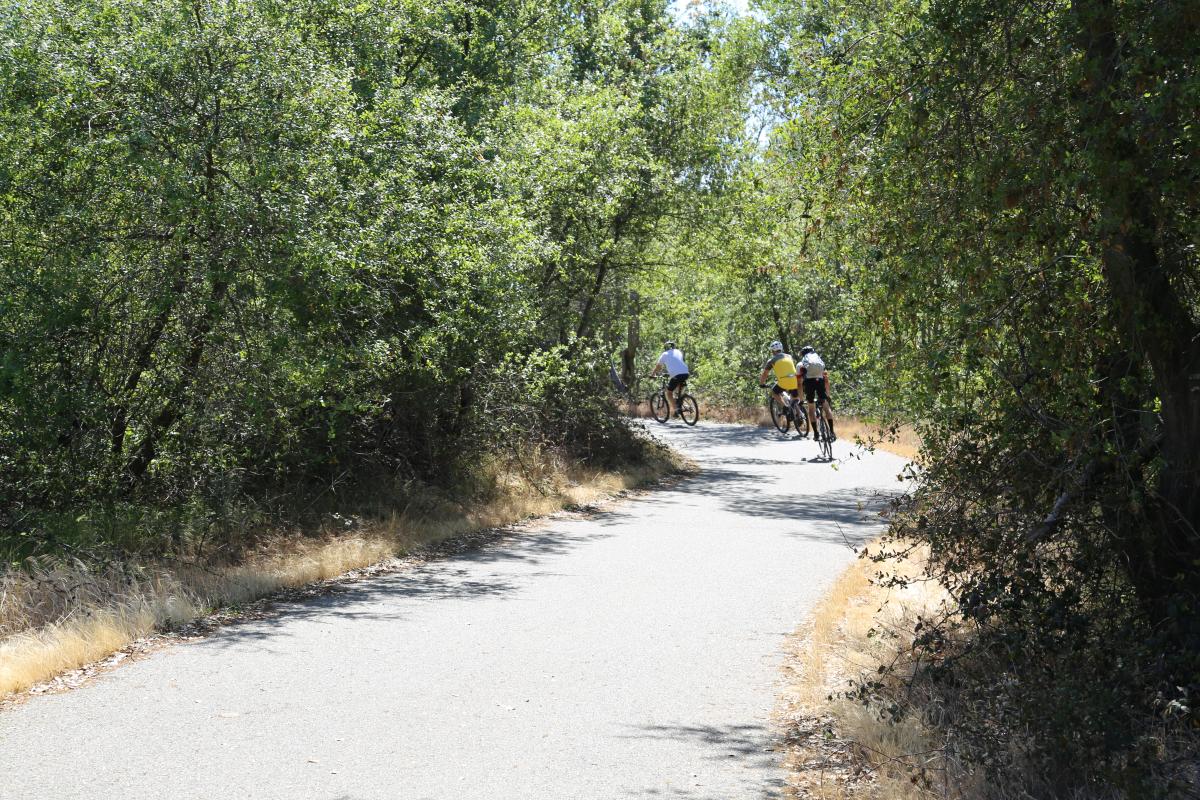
(1012, 188)
(250, 246)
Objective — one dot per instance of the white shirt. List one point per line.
(673, 361)
(813, 365)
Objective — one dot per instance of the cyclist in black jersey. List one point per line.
(815, 382)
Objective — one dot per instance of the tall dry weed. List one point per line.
(858, 626)
(854, 668)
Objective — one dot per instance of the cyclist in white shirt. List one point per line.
(672, 361)
(815, 381)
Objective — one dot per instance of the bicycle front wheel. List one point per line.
(689, 409)
(658, 406)
(825, 437)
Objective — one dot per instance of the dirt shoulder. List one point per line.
(835, 747)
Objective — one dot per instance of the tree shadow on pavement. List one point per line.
(750, 750)
(761, 462)
(460, 576)
(741, 493)
(498, 563)
(854, 506)
(727, 435)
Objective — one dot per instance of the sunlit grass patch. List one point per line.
(91, 633)
(858, 626)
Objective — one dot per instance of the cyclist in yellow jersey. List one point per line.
(787, 383)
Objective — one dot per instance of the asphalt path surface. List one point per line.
(633, 653)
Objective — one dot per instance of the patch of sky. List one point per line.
(760, 120)
(683, 9)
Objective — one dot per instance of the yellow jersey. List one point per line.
(785, 371)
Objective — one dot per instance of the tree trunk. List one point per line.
(633, 340)
(618, 228)
(147, 449)
(780, 327)
(141, 362)
(1153, 319)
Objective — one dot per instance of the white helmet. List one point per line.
(776, 346)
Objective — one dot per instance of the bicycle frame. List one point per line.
(681, 398)
(662, 388)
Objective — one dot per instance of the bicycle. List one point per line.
(783, 417)
(685, 405)
(823, 434)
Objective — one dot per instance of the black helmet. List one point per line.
(808, 348)
(669, 345)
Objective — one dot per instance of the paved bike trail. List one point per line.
(629, 654)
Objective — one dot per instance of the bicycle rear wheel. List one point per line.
(689, 409)
(778, 415)
(800, 415)
(658, 407)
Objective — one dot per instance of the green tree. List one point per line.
(1019, 217)
(257, 247)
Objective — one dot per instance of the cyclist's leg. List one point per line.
(795, 407)
(784, 399)
(810, 390)
(673, 392)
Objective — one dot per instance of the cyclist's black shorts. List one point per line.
(778, 390)
(676, 380)
(815, 386)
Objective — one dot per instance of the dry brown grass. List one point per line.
(66, 615)
(904, 442)
(856, 627)
(839, 748)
